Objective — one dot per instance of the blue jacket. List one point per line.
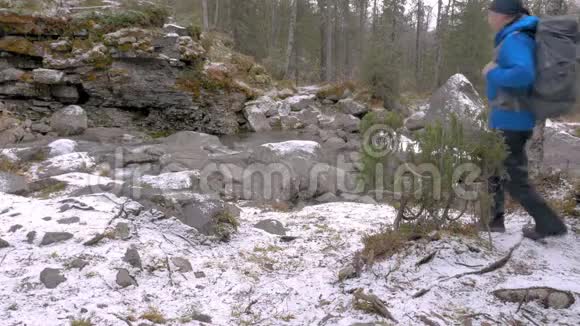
(516, 73)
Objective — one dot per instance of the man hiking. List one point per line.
(509, 77)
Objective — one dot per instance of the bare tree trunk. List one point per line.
(289, 71)
(216, 14)
(375, 14)
(346, 31)
(418, 42)
(362, 31)
(335, 43)
(329, 43)
(439, 43)
(273, 26)
(323, 41)
(205, 15)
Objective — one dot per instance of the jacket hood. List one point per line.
(524, 24)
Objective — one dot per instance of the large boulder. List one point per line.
(415, 121)
(350, 106)
(11, 130)
(300, 102)
(210, 216)
(286, 167)
(11, 183)
(561, 149)
(457, 97)
(257, 112)
(188, 149)
(69, 121)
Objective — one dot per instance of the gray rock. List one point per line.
(47, 76)
(456, 97)
(70, 121)
(122, 231)
(350, 106)
(54, 237)
(300, 102)
(47, 218)
(175, 29)
(285, 93)
(133, 258)
(334, 143)
(69, 220)
(199, 274)
(201, 317)
(256, 115)
(548, 297)
(65, 94)
(415, 121)
(201, 212)
(30, 236)
(291, 123)
(271, 226)
(308, 116)
(14, 228)
(561, 150)
(78, 263)
(41, 128)
(11, 183)
(327, 198)
(183, 265)
(51, 278)
(11, 74)
(124, 279)
(13, 136)
(293, 160)
(4, 243)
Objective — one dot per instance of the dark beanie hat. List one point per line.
(508, 7)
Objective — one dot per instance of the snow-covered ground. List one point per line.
(259, 279)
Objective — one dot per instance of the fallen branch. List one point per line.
(126, 320)
(488, 269)
(530, 319)
(376, 303)
(121, 212)
(169, 270)
(421, 293)
(491, 267)
(426, 259)
(2, 261)
(248, 309)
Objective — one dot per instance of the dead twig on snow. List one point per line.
(376, 303)
(426, 259)
(127, 321)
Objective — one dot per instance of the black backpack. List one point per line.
(556, 86)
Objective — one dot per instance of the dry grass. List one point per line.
(386, 243)
(336, 90)
(8, 166)
(81, 322)
(154, 315)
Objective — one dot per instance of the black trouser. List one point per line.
(517, 183)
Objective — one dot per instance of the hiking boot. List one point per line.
(532, 233)
(498, 224)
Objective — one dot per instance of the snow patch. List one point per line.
(85, 179)
(62, 147)
(294, 146)
(172, 180)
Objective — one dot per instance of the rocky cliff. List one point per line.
(122, 68)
